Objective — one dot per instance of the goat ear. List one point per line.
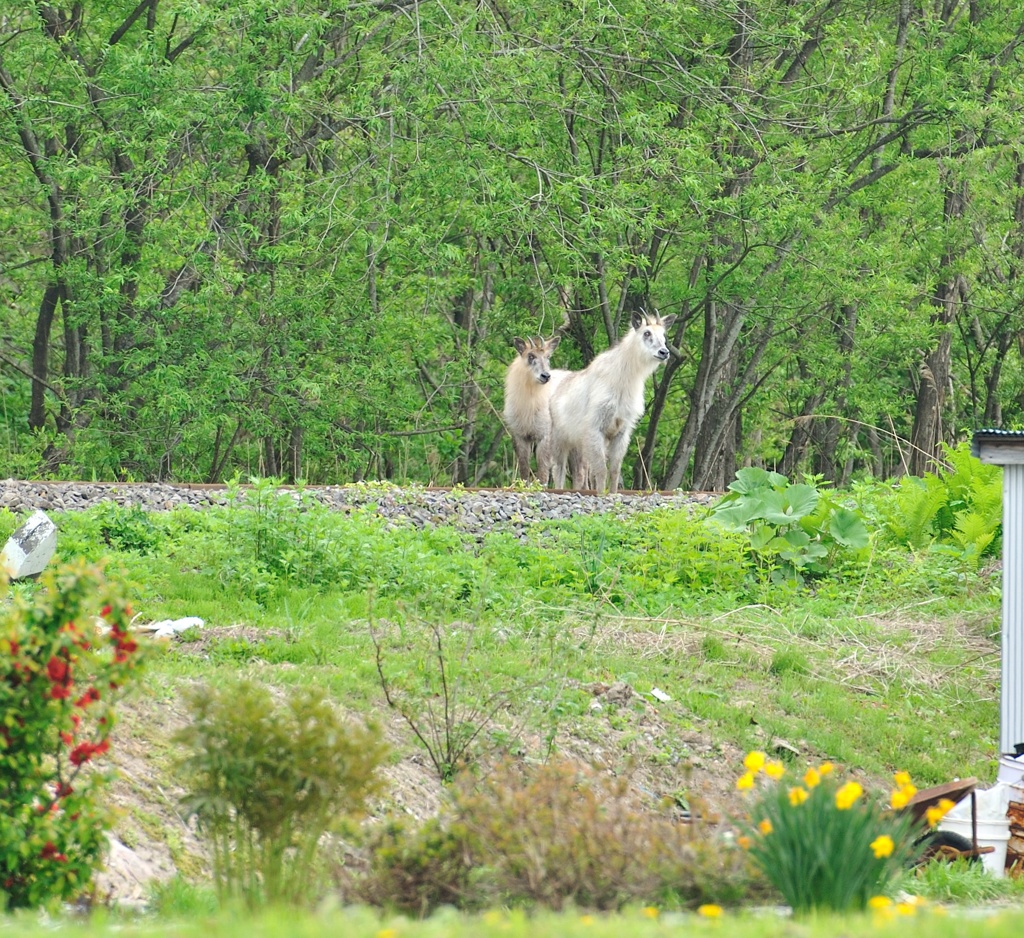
(519, 344)
(637, 319)
(668, 320)
(553, 342)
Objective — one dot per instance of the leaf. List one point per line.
(848, 529)
(753, 479)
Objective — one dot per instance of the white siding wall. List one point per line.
(1012, 694)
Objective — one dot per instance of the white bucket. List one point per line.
(1011, 771)
(991, 833)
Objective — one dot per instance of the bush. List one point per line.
(267, 780)
(549, 837)
(795, 531)
(820, 843)
(59, 679)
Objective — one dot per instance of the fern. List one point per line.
(961, 505)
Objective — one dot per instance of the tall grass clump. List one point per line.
(266, 780)
(820, 842)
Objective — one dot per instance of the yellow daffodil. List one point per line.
(797, 796)
(774, 770)
(882, 846)
(902, 779)
(847, 795)
(650, 911)
(879, 902)
(826, 768)
(744, 842)
(938, 811)
(754, 762)
(906, 908)
(765, 827)
(899, 799)
(745, 782)
(710, 911)
(812, 778)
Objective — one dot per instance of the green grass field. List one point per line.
(887, 661)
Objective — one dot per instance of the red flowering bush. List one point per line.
(61, 669)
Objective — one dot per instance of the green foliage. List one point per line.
(267, 779)
(961, 881)
(550, 836)
(60, 678)
(820, 844)
(960, 506)
(794, 530)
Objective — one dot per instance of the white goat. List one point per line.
(528, 384)
(594, 411)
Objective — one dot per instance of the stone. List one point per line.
(30, 547)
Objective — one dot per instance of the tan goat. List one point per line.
(528, 385)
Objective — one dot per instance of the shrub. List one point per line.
(267, 780)
(550, 836)
(795, 531)
(820, 842)
(415, 868)
(59, 679)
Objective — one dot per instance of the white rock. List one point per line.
(29, 549)
(165, 628)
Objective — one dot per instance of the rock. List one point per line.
(620, 693)
(29, 549)
(165, 628)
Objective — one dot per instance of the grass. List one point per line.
(638, 923)
(889, 663)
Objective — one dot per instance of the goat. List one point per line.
(528, 384)
(594, 411)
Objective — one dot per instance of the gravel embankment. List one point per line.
(470, 510)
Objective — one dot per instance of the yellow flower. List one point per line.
(879, 902)
(826, 768)
(754, 762)
(900, 799)
(812, 778)
(847, 795)
(902, 779)
(797, 796)
(745, 782)
(710, 911)
(744, 842)
(586, 919)
(882, 846)
(938, 811)
(774, 770)
(650, 911)
(765, 827)
(387, 933)
(909, 790)
(906, 908)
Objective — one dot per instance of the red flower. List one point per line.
(83, 752)
(67, 738)
(88, 697)
(59, 692)
(106, 610)
(49, 852)
(57, 670)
